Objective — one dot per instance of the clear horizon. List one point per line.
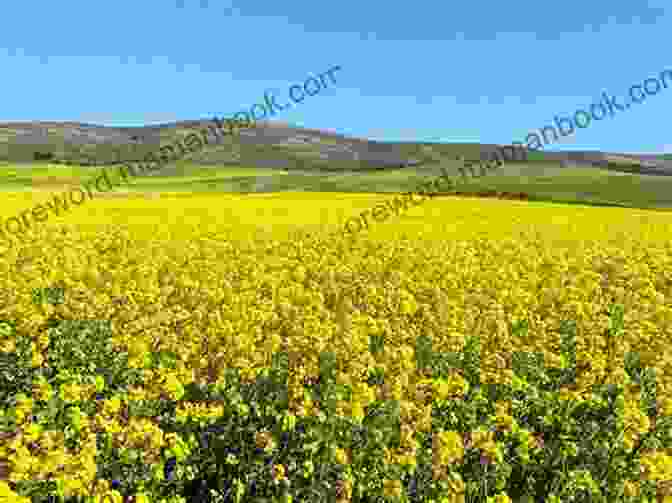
(476, 73)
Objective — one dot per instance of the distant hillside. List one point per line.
(269, 145)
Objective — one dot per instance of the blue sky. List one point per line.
(474, 71)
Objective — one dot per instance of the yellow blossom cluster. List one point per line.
(220, 296)
(656, 466)
(200, 411)
(41, 455)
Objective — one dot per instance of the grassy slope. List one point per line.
(542, 180)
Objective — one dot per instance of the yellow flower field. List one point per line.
(227, 281)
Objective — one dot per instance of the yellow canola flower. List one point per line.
(24, 408)
(408, 304)
(657, 465)
(450, 447)
(446, 278)
(451, 388)
(42, 390)
(456, 489)
(186, 410)
(485, 441)
(357, 412)
(278, 472)
(7, 345)
(32, 432)
(666, 406)
(500, 498)
(392, 488)
(481, 437)
(173, 386)
(631, 488)
(73, 392)
(342, 456)
(109, 495)
(9, 496)
(112, 406)
(36, 357)
(505, 421)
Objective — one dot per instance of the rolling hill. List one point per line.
(270, 145)
(274, 157)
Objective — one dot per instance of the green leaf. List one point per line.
(376, 343)
(50, 295)
(423, 352)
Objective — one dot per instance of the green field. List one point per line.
(541, 180)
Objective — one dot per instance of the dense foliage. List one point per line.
(417, 370)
